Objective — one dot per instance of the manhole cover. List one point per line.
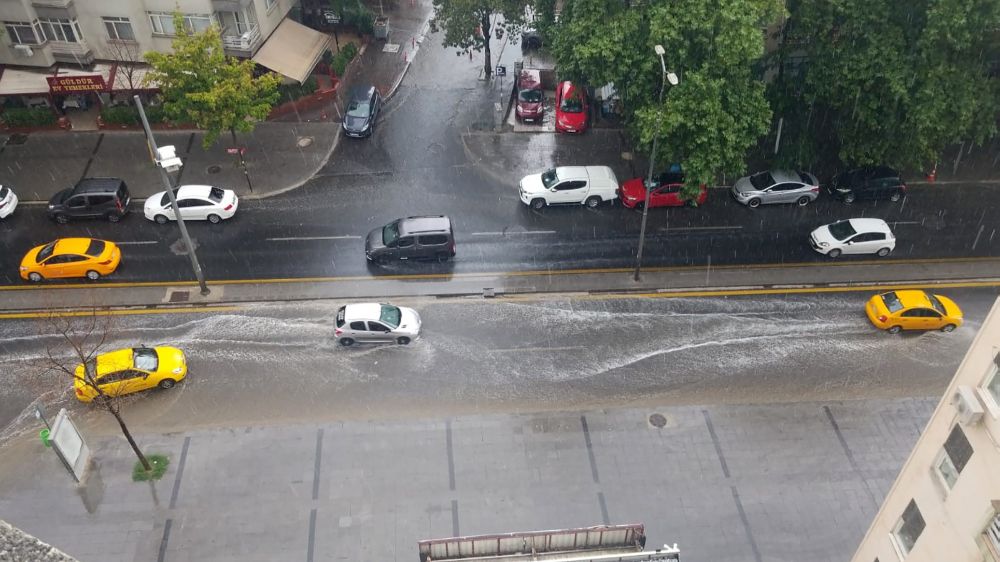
(179, 296)
(213, 169)
(657, 420)
(17, 138)
(304, 141)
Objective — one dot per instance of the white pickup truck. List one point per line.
(569, 185)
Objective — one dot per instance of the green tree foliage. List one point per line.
(466, 23)
(201, 85)
(717, 111)
(886, 81)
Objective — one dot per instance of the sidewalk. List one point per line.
(726, 483)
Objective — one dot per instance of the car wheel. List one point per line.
(167, 384)
(35, 277)
(834, 253)
(538, 204)
(593, 202)
(62, 219)
(403, 340)
(443, 256)
(93, 275)
(803, 201)
(214, 219)
(114, 217)
(849, 198)
(639, 206)
(883, 252)
(160, 219)
(948, 328)
(753, 203)
(894, 329)
(896, 196)
(346, 342)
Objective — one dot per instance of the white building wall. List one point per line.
(956, 518)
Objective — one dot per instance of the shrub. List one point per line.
(340, 60)
(292, 92)
(159, 465)
(25, 117)
(120, 115)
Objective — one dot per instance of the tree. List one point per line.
(87, 336)
(201, 85)
(466, 24)
(128, 60)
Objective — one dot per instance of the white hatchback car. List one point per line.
(196, 202)
(376, 322)
(853, 236)
(8, 201)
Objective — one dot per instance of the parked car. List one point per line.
(71, 257)
(376, 322)
(853, 236)
(667, 193)
(913, 310)
(8, 201)
(569, 185)
(126, 371)
(571, 108)
(196, 202)
(91, 198)
(530, 97)
(776, 186)
(870, 182)
(427, 237)
(363, 106)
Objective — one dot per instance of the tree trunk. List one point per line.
(128, 436)
(488, 62)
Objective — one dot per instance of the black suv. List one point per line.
(871, 182)
(106, 198)
(412, 238)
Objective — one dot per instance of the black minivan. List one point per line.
(428, 237)
(105, 198)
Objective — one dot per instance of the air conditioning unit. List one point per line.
(970, 409)
(23, 50)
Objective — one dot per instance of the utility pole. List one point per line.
(168, 161)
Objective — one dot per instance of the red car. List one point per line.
(530, 98)
(633, 192)
(571, 108)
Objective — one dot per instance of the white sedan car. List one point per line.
(853, 236)
(196, 202)
(8, 201)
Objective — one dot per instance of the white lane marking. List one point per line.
(531, 349)
(313, 238)
(907, 222)
(679, 228)
(136, 243)
(514, 232)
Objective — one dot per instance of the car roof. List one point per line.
(530, 79)
(72, 245)
(913, 297)
(874, 172)
(870, 225)
(567, 88)
(114, 361)
(361, 93)
(98, 185)
(362, 311)
(786, 175)
(185, 191)
(417, 225)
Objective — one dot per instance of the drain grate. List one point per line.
(657, 420)
(179, 296)
(213, 169)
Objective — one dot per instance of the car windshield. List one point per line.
(891, 301)
(3, 192)
(571, 103)
(762, 180)
(530, 96)
(549, 178)
(46, 251)
(842, 230)
(358, 109)
(390, 233)
(936, 303)
(390, 316)
(216, 194)
(95, 248)
(145, 358)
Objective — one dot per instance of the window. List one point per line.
(992, 536)
(24, 33)
(433, 239)
(359, 326)
(376, 327)
(119, 28)
(270, 3)
(908, 529)
(405, 242)
(954, 456)
(67, 31)
(163, 23)
(993, 381)
(100, 199)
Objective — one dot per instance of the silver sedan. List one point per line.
(777, 186)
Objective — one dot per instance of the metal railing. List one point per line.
(245, 42)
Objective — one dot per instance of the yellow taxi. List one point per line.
(125, 371)
(71, 257)
(913, 310)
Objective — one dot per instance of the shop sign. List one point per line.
(72, 84)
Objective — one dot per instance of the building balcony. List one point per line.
(242, 45)
(75, 53)
(52, 3)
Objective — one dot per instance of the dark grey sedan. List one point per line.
(363, 106)
(777, 186)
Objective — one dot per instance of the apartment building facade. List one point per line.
(945, 503)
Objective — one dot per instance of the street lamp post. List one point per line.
(664, 77)
(167, 161)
